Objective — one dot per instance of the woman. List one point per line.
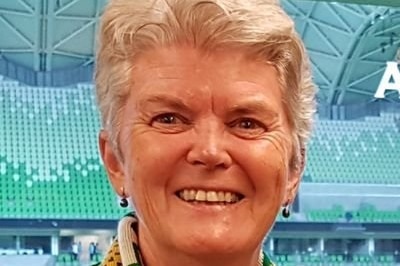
(206, 108)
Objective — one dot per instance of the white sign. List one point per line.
(392, 73)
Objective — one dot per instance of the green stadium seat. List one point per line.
(51, 154)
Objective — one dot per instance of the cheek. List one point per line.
(273, 179)
(150, 162)
(144, 179)
(267, 167)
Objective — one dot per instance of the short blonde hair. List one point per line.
(130, 27)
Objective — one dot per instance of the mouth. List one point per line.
(212, 197)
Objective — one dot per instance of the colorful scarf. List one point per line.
(124, 250)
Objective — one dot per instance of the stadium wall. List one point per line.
(59, 78)
(351, 196)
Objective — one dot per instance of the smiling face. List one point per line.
(206, 148)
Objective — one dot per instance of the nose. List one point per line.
(209, 147)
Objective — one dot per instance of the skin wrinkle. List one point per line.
(205, 150)
(118, 23)
(274, 141)
(154, 163)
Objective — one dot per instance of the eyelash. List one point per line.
(256, 124)
(176, 118)
(169, 115)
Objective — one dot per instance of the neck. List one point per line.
(154, 254)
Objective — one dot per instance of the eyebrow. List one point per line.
(252, 107)
(165, 100)
(247, 107)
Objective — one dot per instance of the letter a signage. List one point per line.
(390, 80)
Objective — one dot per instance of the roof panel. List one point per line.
(326, 15)
(393, 3)
(327, 66)
(24, 25)
(15, 6)
(80, 43)
(298, 8)
(85, 8)
(340, 57)
(338, 38)
(14, 39)
(316, 40)
(32, 4)
(63, 29)
(366, 75)
(351, 15)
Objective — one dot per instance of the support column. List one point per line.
(321, 250)
(271, 246)
(17, 243)
(54, 245)
(371, 246)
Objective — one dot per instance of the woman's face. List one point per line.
(206, 148)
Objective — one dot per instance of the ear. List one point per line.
(111, 162)
(295, 175)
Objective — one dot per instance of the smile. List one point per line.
(209, 196)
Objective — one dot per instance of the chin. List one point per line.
(208, 244)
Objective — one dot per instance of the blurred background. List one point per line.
(57, 208)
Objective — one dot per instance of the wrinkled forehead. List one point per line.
(186, 79)
(182, 63)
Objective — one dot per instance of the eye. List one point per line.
(168, 120)
(247, 123)
(248, 126)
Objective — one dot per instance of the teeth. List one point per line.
(221, 196)
(228, 197)
(186, 195)
(201, 195)
(234, 198)
(212, 196)
(208, 196)
(192, 194)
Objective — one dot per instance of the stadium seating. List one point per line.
(365, 214)
(364, 151)
(49, 163)
(50, 168)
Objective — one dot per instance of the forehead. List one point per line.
(186, 71)
(192, 61)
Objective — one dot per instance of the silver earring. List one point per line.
(286, 211)
(123, 202)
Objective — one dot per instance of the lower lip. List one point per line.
(213, 207)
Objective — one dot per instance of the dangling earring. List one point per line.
(123, 202)
(286, 211)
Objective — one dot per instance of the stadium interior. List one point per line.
(348, 208)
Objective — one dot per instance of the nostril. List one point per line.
(210, 159)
